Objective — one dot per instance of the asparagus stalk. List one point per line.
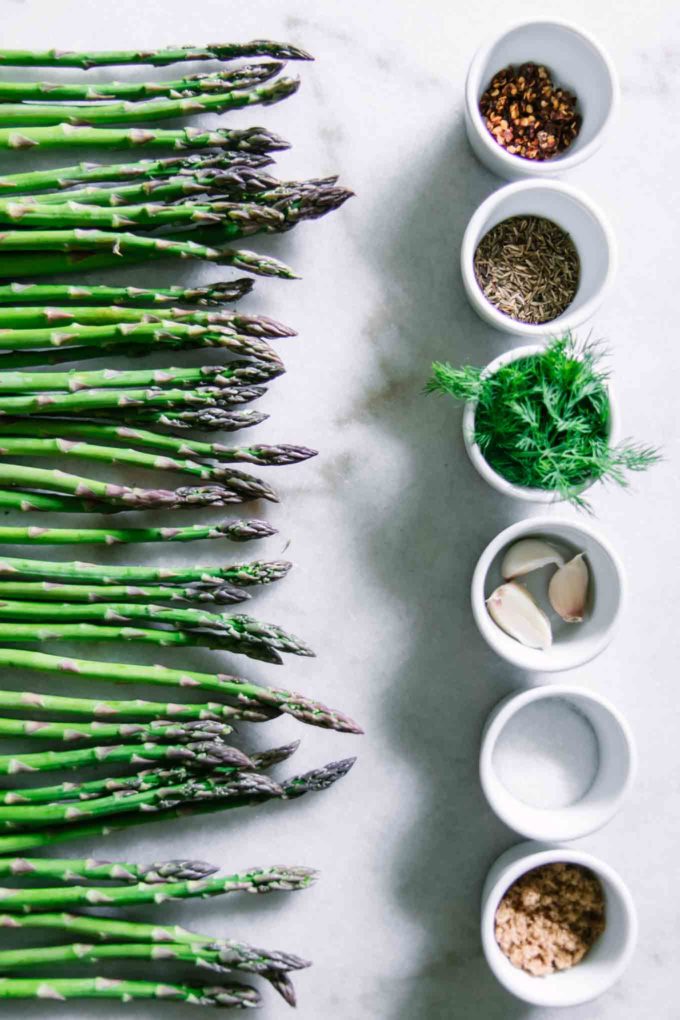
(48, 591)
(147, 779)
(42, 263)
(71, 870)
(33, 816)
(104, 400)
(157, 731)
(246, 694)
(66, 989)
(16, 446)
(238, 490)
(90, 240)
(204, 419)
(159, 108)
(76, 380)
(202, 754)
(245, 76)
(310, 782)
(156, 58)
(34, 501)
(256, 454)
(236, 219)
(234, 531)
(239, 633)
(255, 880)
(60, 136)
(221, 292)
(95, 708)
(143, 169)
(242, 574)
(48, 315)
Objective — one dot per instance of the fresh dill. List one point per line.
(543, 421)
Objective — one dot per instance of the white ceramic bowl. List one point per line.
(574, 643)
(576, 62)
(495, 480)
(575, 213)
(615, 769)
(606, 961)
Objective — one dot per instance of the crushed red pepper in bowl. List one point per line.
(527, 114)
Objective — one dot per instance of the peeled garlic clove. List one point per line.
(514, 610)
(568, 590)
(529, 554)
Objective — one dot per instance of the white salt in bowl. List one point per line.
(481, 464)
(576, 214)
(573, 643)
(576, 62)
(609, 956)
(614, 772)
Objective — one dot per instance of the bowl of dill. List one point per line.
(540, 422)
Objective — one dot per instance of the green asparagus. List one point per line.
(242, 574)
(71, 870)
(48, 591)
(201, 754)
(59, 136)
(297, 705)
(221, 292)
(235, 531)
(156, 58)
(67, 989)
(48, 315)
(161, 731)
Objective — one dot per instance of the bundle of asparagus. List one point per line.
(116, 938)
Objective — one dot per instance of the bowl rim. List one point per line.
(510, 161)
(493, 478)
(488, 629)
(536, 855)
(507, 709)
(472, 236)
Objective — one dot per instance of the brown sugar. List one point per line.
(550, 917)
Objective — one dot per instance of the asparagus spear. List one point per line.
(30, 501)
(243, 574)
(71, 870)
(16, 446)
(297, 705)
(159, 108)
(104, 400)
(157, 58)
(145, 780)
(48, 591)
(310, 782)
(200, 753)
(240, 633)
(38, 316)
(35, 816)
(144, 169)
(221, 292)
(234, 531)
(94, 708)
(255, 454)
(157, 731)
(238, 490)
(75, 259)
(208, 419)
(237, 78)
(76, 379)
(59, 136)
(66, 989)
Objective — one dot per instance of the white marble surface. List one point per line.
(385, 526)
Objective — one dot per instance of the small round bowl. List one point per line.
(606, 961)
(576, 61)
(616, 768)
(575, 213)
(495, 480)
(574, 643)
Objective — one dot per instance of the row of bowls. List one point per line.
(579, 63)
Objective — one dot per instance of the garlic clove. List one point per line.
(529, 554)
(512, 607)
(568, 589)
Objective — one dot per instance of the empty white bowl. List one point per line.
(576, 62)
(575, 213)
(573, 643)
(480, 463)
(614, 774)
(600, 968)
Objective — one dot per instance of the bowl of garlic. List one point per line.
(547, 594)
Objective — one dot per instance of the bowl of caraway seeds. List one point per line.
(538, 99)
(537, 258)
(559, 925)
